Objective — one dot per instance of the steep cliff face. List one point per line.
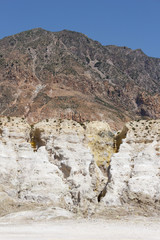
(135, 168)
(63, 168)
(52, 164)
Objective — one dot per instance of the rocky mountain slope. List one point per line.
(67, 75)
(65, 169)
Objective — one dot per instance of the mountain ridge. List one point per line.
(72, 31)
(65, 74)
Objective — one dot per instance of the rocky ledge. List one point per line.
(61, 168)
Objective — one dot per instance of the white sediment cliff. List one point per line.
(61, 168)
(135, 168)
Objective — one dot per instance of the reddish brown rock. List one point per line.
(67, 75)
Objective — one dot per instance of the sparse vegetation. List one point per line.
(97, 64)
(2, 61)
(8, 118)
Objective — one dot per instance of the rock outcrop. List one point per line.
(53, 164)
(135, 168)
(60, 168)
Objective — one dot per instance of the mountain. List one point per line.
(67, 75)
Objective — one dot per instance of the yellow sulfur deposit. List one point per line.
(101, 142)
(33, 144)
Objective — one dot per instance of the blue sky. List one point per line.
(131, 23)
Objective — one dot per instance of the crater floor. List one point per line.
(126, 229)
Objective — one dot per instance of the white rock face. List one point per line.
(59, 168)
(135, 169)
(48, 165)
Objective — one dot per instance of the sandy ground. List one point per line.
(127, 229)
